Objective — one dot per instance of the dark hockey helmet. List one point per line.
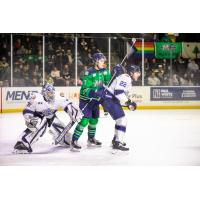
(98, 56)
(118, 70)
(133, 69)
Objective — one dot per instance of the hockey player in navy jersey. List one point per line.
(116, 96)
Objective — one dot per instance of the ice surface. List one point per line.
(155, 137)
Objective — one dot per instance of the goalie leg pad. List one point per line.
(32, 136)
(56, 129)
(28, 137)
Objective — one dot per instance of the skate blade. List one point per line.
(119, 152)
(74, 150)
(92, 146)
(15, 151)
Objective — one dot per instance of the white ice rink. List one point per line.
(155, 137)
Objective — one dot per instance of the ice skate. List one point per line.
(92, 142)
(113, 140)
(21, 148)
(119, 146)
(75, 147)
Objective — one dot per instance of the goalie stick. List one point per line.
(67, 128)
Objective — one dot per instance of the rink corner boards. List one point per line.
(125, 108)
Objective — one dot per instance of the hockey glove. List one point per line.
(131, 105)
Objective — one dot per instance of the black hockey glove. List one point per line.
(131, 105)
(96, 94)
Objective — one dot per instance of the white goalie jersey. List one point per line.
(38, 107)
(120, 87)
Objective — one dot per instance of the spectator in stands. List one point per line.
(4, 51)
(21, 51)
(146, 64)
(192, 66)
(50, 63)
(160, 73)
(26, 74)
(79, 60)
(3, 63)
(58, 80)
(191, 79)
(153, 64)
(28, 45)
(5, 83)
(83, 43)
(50, 50)
(60, 52)
(17, 45)
(49, 79)
(4, 70)
(175, 80)
(35, 82)
(69, 57)
(37, 74)
(184, 80)
(153, 80)
(55, 73)
(66, 75)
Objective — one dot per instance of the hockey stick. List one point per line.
(128, 54)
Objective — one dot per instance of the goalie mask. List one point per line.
(48, 92)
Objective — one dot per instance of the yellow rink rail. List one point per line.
(125, 108)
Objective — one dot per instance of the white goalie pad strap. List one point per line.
(32, 136)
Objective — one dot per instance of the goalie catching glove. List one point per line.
(131, 105)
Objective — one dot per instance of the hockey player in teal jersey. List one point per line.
(90, 94)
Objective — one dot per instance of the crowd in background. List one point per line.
(60, 61)
(184, 72)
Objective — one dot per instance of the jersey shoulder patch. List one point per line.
(90, 71)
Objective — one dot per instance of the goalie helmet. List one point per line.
(98, 56)
(48, 92)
